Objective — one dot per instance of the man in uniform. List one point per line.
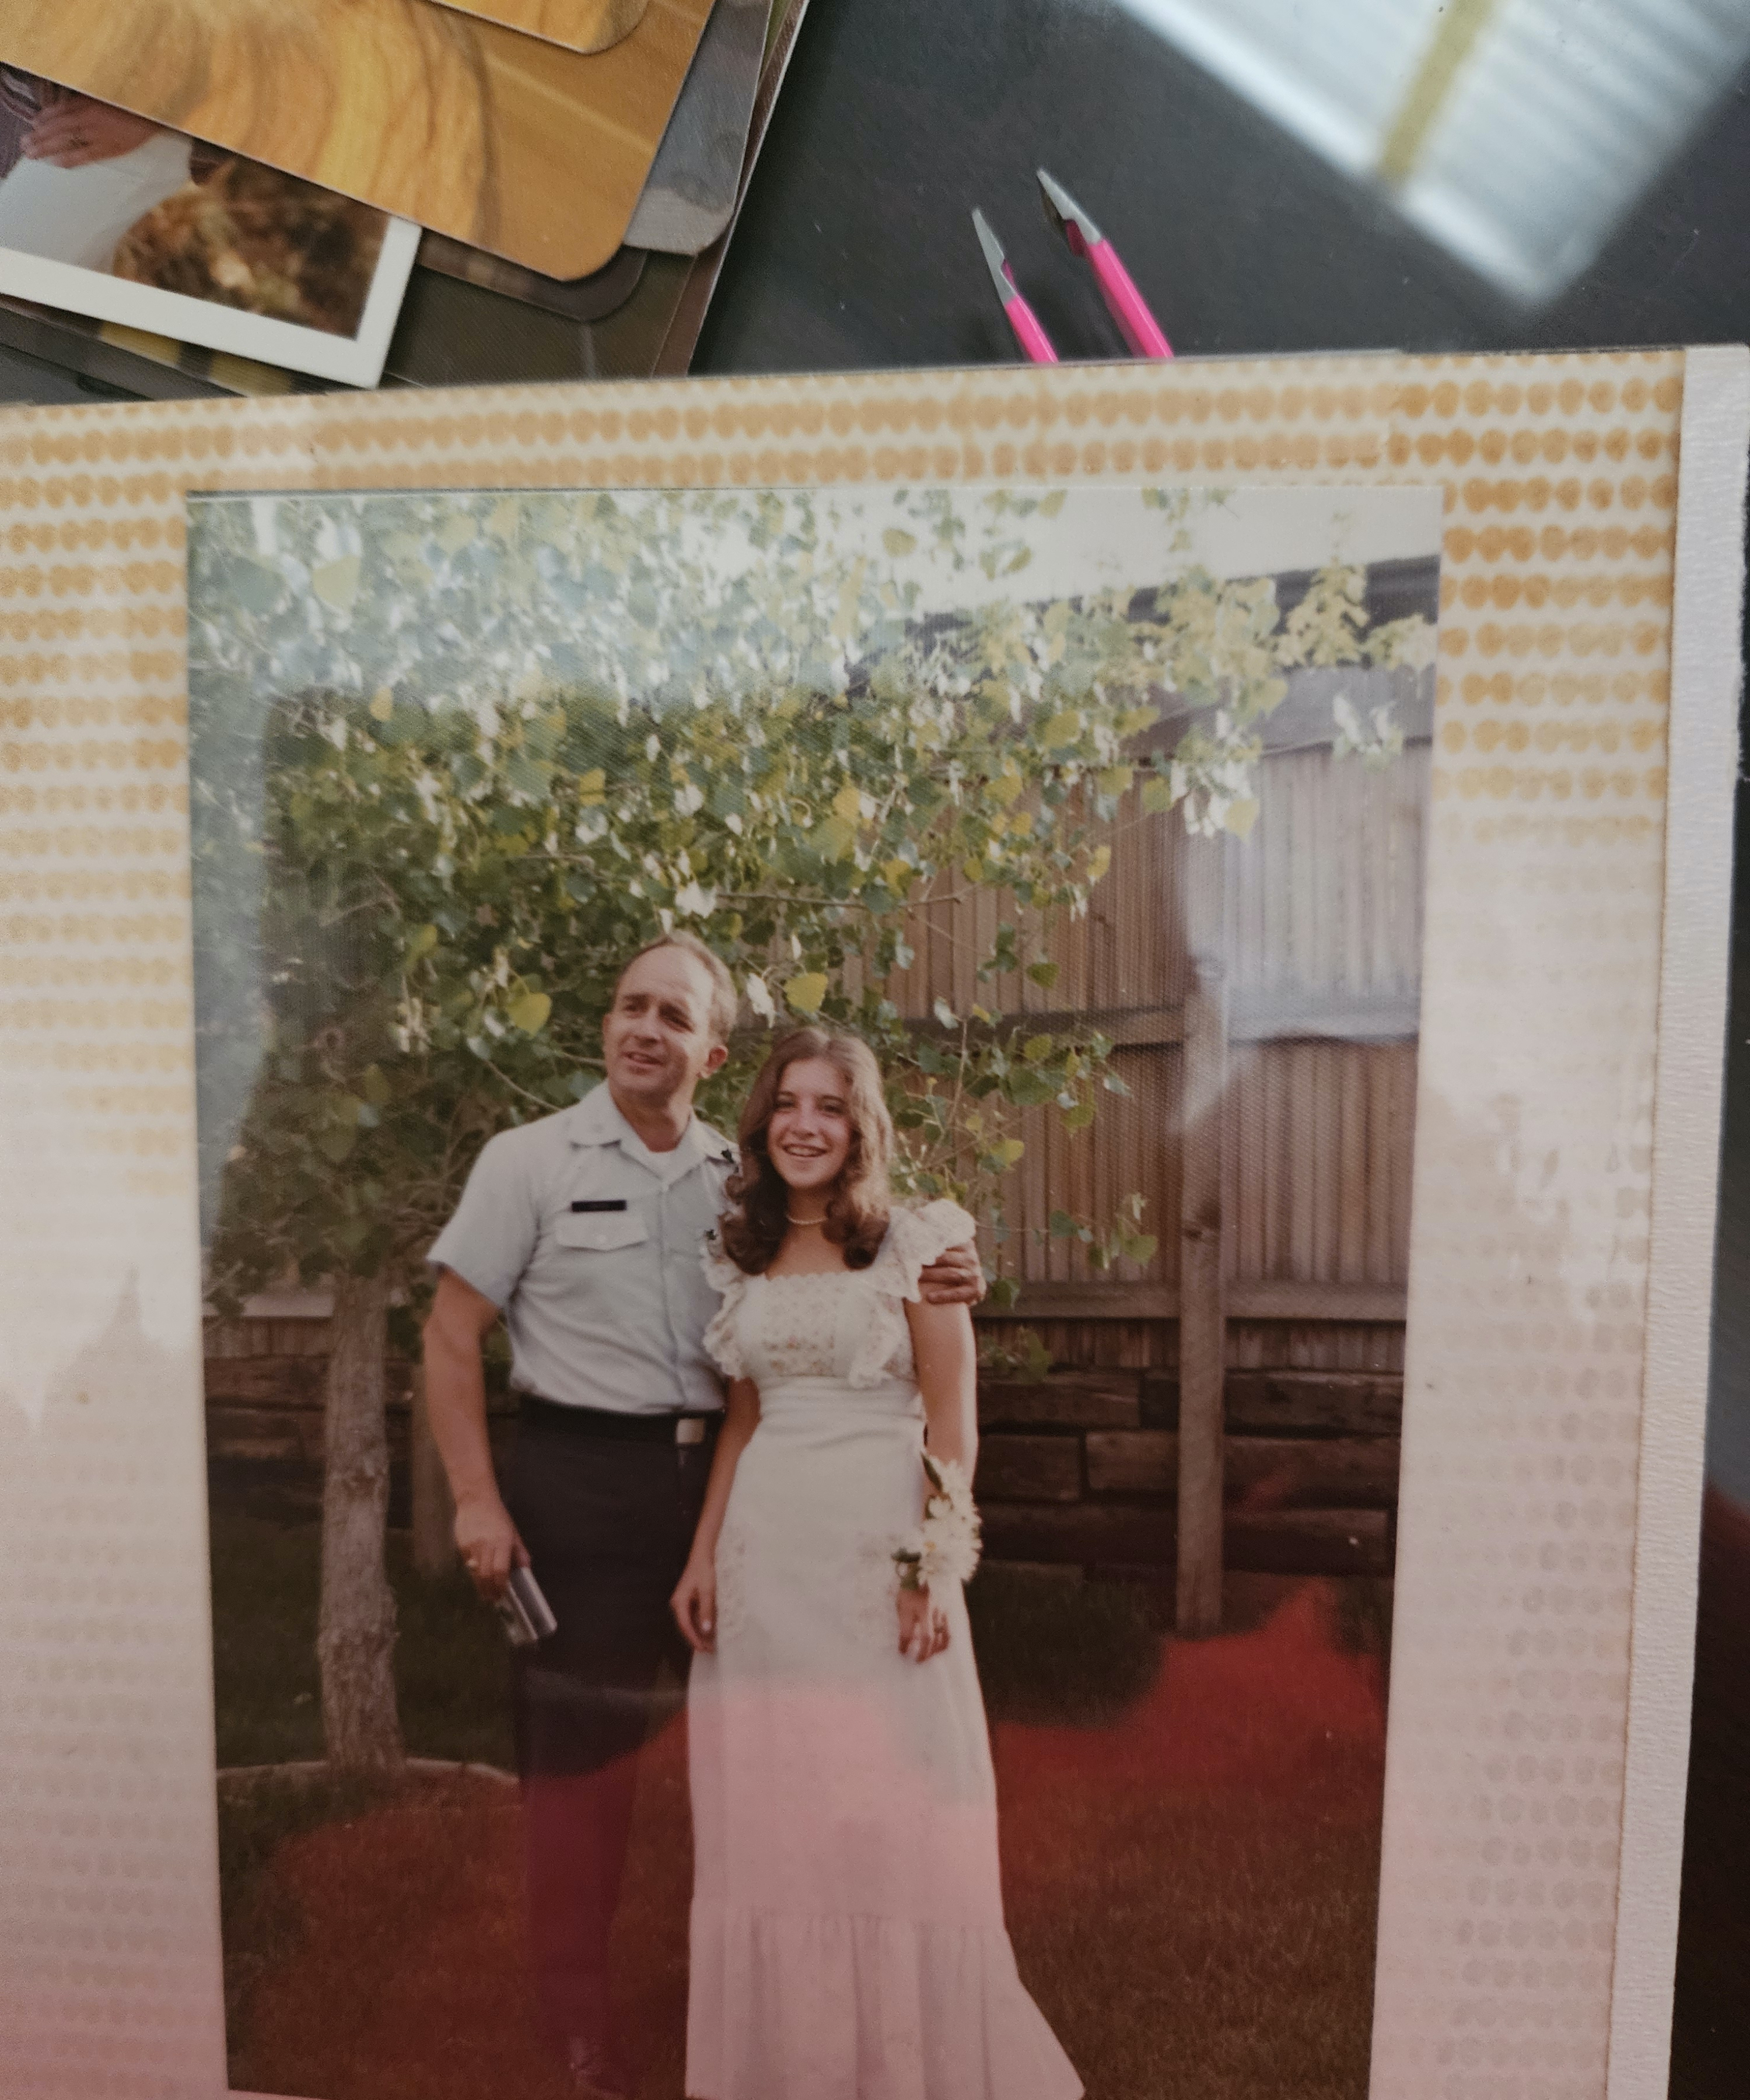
(584, 1230)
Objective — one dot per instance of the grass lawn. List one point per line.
(1190, 1839)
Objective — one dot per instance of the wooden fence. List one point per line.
(1079, 1468)
(1262, 994)
(1303, 941)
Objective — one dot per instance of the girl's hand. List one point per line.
(695, 1606)
(923, 1626)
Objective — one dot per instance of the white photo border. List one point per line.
(356, 359)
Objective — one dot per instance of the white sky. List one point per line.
(1106, 537)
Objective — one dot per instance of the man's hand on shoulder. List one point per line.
(958, 1278)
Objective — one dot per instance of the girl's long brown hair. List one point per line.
(860, 1200)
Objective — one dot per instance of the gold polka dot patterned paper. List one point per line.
(1534, 1215)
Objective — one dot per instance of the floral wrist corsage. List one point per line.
(944, 1548)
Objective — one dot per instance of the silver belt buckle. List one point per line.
(689, 1429)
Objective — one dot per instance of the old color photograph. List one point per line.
(731, 1026)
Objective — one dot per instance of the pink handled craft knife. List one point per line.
(1035, 343)
(1138, 326)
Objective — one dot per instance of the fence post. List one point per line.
(433, 1511)
(1202, 1319)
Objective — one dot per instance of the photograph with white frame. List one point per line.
(104, 214)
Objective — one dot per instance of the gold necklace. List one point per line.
(790, 1220)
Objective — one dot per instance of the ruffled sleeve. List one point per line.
(915, 1239)
(722, 1337)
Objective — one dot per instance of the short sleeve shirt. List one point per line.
(590, 1242)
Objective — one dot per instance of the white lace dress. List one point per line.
(847, 1941)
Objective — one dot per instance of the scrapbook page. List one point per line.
(1215, 821)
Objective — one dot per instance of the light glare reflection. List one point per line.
(1515, 132)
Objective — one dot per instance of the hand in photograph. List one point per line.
(923, 1626)
(957, 1279)
(487, 1542)
(74, 130)
(694, 1605)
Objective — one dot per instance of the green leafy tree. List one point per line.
(456, 756)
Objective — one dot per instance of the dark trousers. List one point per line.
(608, 1523)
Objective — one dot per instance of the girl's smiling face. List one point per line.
(809, 1137)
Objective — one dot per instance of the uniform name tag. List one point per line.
(601, 1204)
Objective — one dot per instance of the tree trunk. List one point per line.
(355, 1639)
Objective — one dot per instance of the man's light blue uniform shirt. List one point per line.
(605, 1308)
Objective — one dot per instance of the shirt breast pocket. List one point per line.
(601, 1233)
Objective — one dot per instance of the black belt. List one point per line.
(671, 1428)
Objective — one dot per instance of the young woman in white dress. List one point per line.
(848, 1939)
